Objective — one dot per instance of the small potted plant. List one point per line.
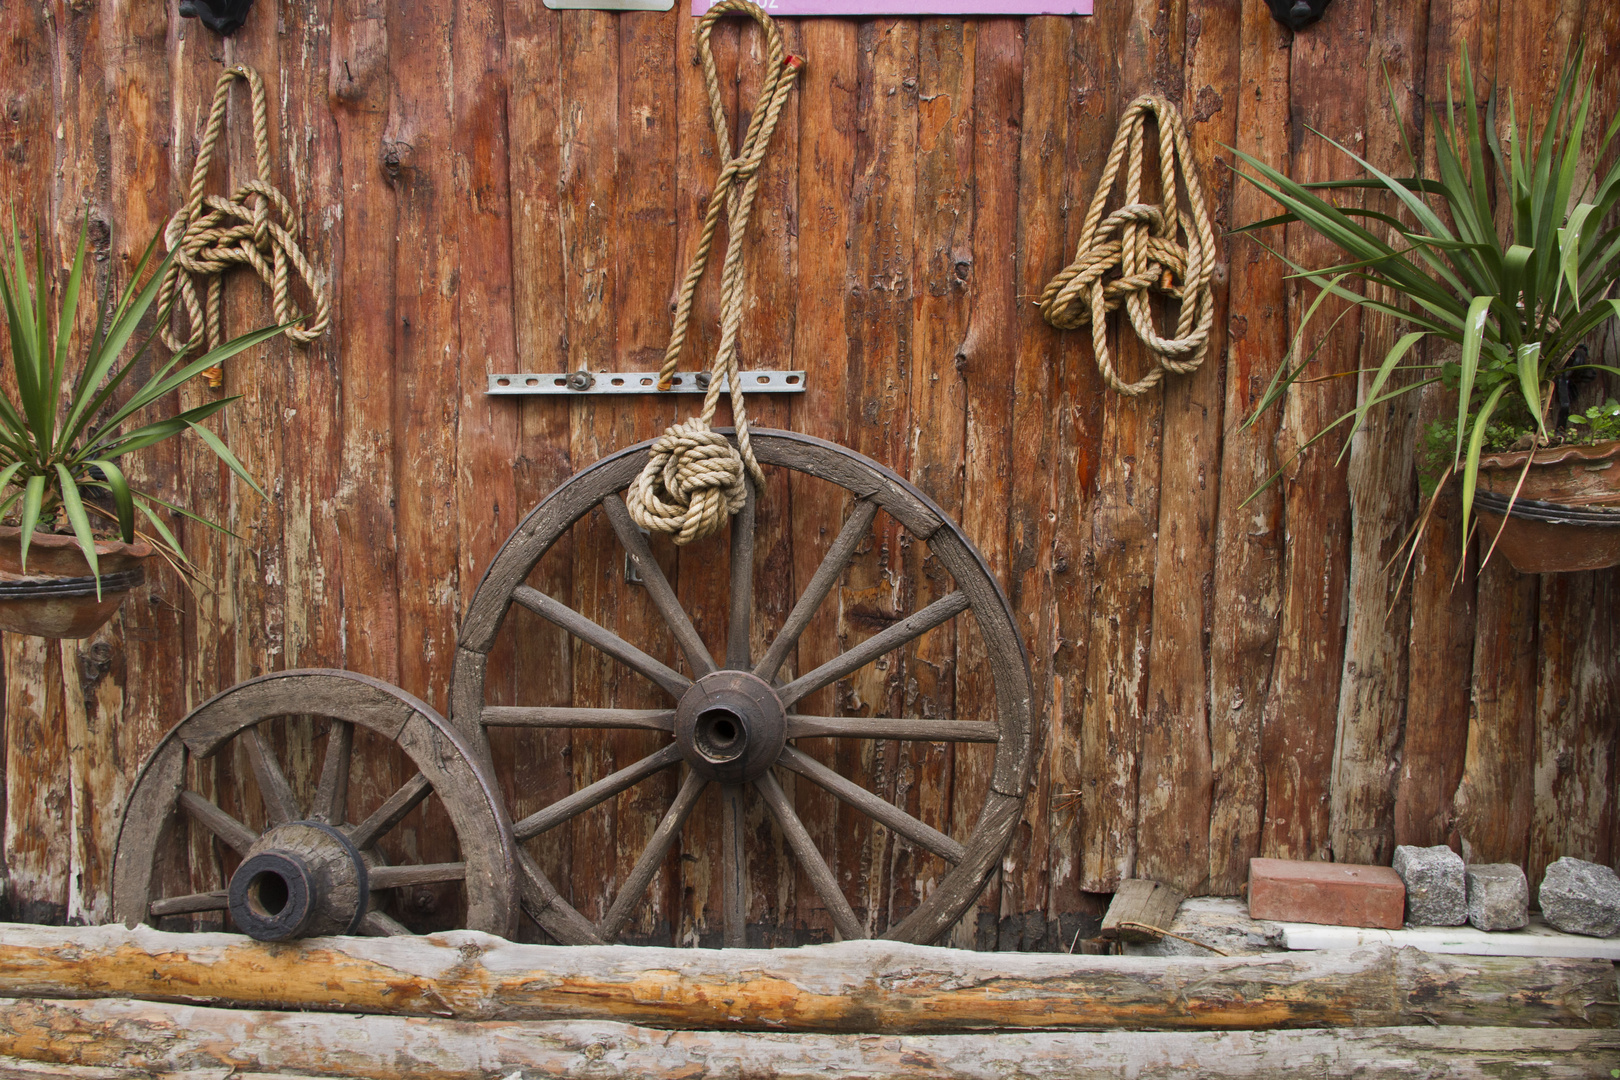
(1517, 288)
(77, 538)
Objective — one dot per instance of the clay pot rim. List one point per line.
(140, 549)
(1552, 455)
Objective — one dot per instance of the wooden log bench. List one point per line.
(144, 1002)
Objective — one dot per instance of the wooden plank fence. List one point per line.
(493, 186)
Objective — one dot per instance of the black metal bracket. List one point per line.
(1297, 14)
(223, 17)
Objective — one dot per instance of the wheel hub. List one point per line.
(730, 726)
(302, 879)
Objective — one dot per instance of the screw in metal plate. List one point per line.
(581, 380)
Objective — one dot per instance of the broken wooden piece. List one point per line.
(1141, 911)
(853, 986)
(132, 1040)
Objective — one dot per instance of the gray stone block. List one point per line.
(1436, 890)
(1498, 896)
(1581, 898)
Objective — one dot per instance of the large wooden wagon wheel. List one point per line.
(734, 723)
(313, 870)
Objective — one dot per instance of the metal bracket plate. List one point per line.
(576, 383)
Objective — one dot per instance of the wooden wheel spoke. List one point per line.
(554, 717)
(235, 835)
(739, 624)
(399, 877)
(884, 727)
(890, 638)
(652, 858)
(733, 868)
(586, 797)
(815, 867)
(279, 804)
(923, 835)
(657, 586)
(185, 905)
(391, 812)
(822, 581)
(332, 796)
(378, 924)
(602, 638)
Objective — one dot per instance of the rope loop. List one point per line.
(697, 479)
(1138, 245)
(254, 227)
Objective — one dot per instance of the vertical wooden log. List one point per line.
(542, 656)
(1441, 643)
(1144, 54)
(427, 387)
(140, 193)
(1249, 541)
(363, 291)
(1177, 785)
(944, 229)
(209, 642)
(827, 135)
(879, 327)
(1573, 801)
(38, 799)
(1372, 691)
(99, 768)
(985, 358)
(1327, 93)
(642, 275)
(1033, 524)
(312, 417)
(588, 182)
(766, 340)
(702, 588)
(1058, 142)
(1494, 800)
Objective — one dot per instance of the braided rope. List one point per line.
(695, 479)
(1139, 242)
(254, 227)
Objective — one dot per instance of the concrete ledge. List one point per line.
(1537, 939)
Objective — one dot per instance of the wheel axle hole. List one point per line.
(268, 894)
(720, 735)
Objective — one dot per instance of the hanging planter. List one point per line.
(1566, 515)
(58, 598)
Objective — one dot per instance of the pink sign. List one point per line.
(915, 7)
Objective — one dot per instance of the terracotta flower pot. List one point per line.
(1567, 513)
(57, 597)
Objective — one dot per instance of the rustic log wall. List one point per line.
(493, 186)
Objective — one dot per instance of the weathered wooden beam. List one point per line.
(123, 1040)
(847, 987)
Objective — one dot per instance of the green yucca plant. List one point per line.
(1517, 298)
(60, 440)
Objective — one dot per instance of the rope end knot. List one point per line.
(693, 481)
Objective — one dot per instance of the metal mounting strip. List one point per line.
(639, 382)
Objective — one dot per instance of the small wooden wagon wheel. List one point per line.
(734, 722)
(314, 871)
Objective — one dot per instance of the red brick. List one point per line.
(1340, 894)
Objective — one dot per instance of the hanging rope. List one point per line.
(695, 478)
(1139, 242)
(254, 227)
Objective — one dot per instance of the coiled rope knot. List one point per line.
(692, 483)
(255, 227)
(1138, 243)
(695, 479)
